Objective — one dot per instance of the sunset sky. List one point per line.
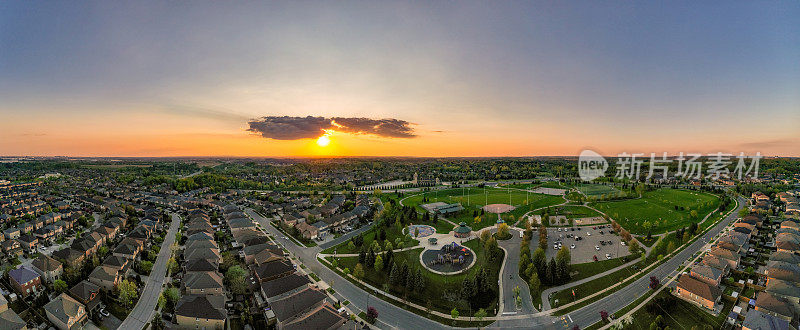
(443, 78)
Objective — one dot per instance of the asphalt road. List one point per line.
(143, 311)
(510, 278)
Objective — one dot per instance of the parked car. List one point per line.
(104, 312)
(608, 256)
(572, 246)
(588, 234)
(622, 242)
(595, 258)
(597, 247)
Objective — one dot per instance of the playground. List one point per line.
(450, 259)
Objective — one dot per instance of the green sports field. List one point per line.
(659, 208)
(596, 189)
(475, 198)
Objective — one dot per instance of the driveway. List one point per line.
(142, 313)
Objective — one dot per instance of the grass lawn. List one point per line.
(440, 290)
(392, 234)
(596, 189)
(679, 314)
(473, 199)
(576, 211)
(589, 288)
(658, 208)
(647, 242)
(443, 227)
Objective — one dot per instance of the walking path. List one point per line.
(142, 313)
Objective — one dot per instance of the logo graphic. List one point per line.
(591, 165)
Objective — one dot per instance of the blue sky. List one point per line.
(536, 77)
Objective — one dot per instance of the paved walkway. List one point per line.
(142, 313)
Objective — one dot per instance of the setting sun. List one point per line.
(323, 141)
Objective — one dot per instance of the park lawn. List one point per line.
(681, 315)
(576, 211)
(587, 289)
(588, 269)
(438, 287)
(443, 227)
(392, 234)
(658, 208)
(596, 189)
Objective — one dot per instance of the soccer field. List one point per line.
(596, 189)
(659, 208)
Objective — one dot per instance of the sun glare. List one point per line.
(323, 141)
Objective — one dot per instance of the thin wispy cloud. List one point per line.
(295, 128)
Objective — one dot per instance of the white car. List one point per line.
(597, 247)
(104, 312)
(588, 234)
(608, 256)
(572, 246)
(559, 229)
(555, 247)
(621, 242)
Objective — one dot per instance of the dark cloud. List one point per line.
(382, 127)
(295, 128)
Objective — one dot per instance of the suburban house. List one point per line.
(730, 257)
(201, 312)
(774, 305)
(25, 281)
(105, 277)
(50, 269)
(698, 292)
(203, 283)
(9, 319)
(757, 320)
(707, 274)
(87, 293)
(66, 313)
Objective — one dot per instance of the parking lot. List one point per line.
(585, 242)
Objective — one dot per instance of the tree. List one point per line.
(372, 314)
(127, 293)
(359, 271)
(351, 246)
(60, 286)
(236, 277)
(420, 281)
(534, 283)
(654, 282)
(503, 231)
(670, 247)
(540, 261)
(551, 271)
(480, 314)
(633, 247)
(454, 313)
(378, 263)
(173, 266)
(563, 260)
(171, 295)
(145, 267)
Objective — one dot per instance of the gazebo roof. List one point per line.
(463, 228)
